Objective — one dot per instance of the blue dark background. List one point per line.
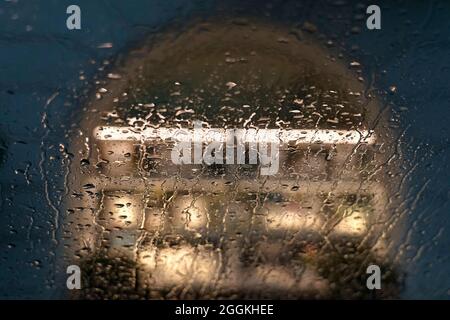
(46, 72)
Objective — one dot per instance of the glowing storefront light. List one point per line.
(319, 136)
(121, 210)
(269, 277)
(181, 265)
(292, 218)
(353, 223)
(190, 212)
(227, 208)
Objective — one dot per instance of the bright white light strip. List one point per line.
(307, 136)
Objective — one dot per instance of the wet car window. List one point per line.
(206, 150)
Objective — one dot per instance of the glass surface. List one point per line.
(361, 157)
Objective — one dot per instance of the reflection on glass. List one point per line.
(226, 230)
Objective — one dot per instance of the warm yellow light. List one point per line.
(183, 265)
(352, 224)
(190, 212)
(292, 218)
(121, 211)
(306, 136)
